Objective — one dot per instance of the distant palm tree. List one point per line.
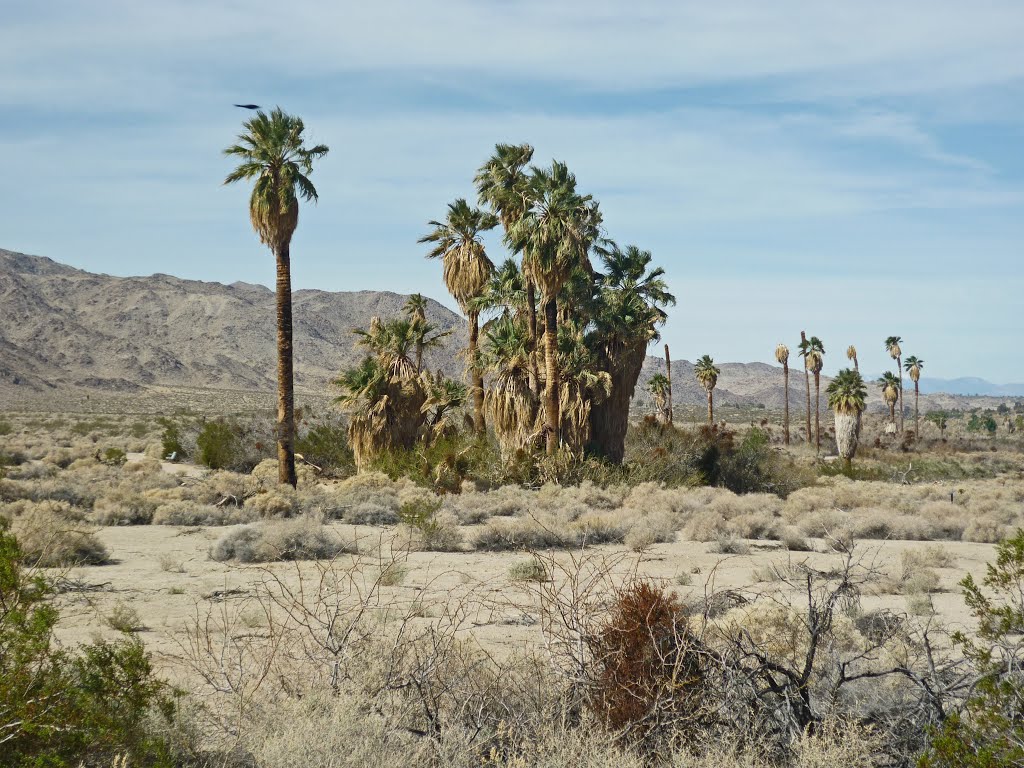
(851, 354)
(892, 346)
(707, 374)
(890, 386)
(511, 402)
(467, 271)
(847, 397)
(913, 366)
(554, 235)
(815, 362)
(658, 387)
(416, 308)
(805, 348)
(782, 355)
(272, 153)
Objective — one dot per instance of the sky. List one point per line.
(852, 169)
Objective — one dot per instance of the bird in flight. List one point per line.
(248, 106)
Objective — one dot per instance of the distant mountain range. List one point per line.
(62, 327)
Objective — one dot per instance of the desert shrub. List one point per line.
(649, 681)
(370, 513)
(123, 506)
(171, 441)
(532, 569)
(49, 539)
(61, 708)
(301, 538)
(114, 457)
(282, 501)
(990, 730)
(146, 466)
(793, 540)
(5, 427)
(425, 528)
(505, 535)
(190, 513)
(705, 526)
(656, 529)
(985, 531)
(326, 446)
(218, 445)
(948, 519)
(727, 544)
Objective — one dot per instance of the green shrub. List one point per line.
(115, 457)
(326, 446)
(218, 445)
(5, 427)
(170, 440)
(59, 708)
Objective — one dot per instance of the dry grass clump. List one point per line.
(32, 470)
(371, 498)
(947, 519)
(123, 506)
(282, 501)
(650, 530)
(191, 513)
(438, 533)
(475, 507)
(533, 569)
(547, 532)
(727, 544)
(986, 531)
(51, 540)
(303, 538)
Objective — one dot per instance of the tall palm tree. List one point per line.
(416, 308)
(271, 151)
(554, 236)
(892, 346)
(707, 374)
(582, 385)
(815, 362)
(782, 355)
(511, 402)
(658, 387)
(913, 366)
(805, 348)
(851, 354)
(847, 397)
(890, 386)
(502, 183)
(626, 318)
(467, 271)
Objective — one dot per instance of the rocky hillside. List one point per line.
(62, 327)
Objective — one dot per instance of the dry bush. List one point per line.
(123, 506)
(658, 528)
(705, 526)
(947, 519)
(793, 540)
(438, 533)
(190, 513)
(302, 538)
(728, 544)
(533, 569)
(282, 501)
(51, 540)
(986, 531)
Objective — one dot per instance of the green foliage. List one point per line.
(847, 392)
(326, 446)
(420, 514)
(218, 445)
(990, 730)
(5, 427)
(982, 422)
(170, 440)
(939, 418)
(115, 457)
(63, 709)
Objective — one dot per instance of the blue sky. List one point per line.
(855, 169)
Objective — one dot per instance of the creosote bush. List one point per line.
(302, 538)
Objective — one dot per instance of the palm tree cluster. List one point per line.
(562, 376)
(391, 400)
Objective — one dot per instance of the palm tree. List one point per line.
(890, 386)
(554, 235)
(582, 386)
(511, 401)
(851, 354)
(847, 398)
(364, 395)
(444, 398)
(658, 387)
(631, 294)
(271, 152)
(782, 355)
(707, 374)
(502, 183)
(416, 308)
(815, 362)
(805, 348)
(913, 366)
(467, 271)
(892, 346)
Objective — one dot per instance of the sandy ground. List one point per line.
(165, 575)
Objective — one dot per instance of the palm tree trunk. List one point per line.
(917, 423)
(807, 380)
(285, 372)
(847, 433)
(531, 305)
(817, 411)
(609, 419)
(711, 407)
(785, 415)
(899, 370)
(551, 370)
(479, 425)
(668, 375)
